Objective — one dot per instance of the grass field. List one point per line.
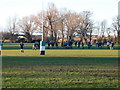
(60, 68)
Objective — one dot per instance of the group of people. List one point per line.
(80, 44)
(53, 44)
(34, 47)
(65, 44)
(99, 44)
(110, 45)
(69, 44)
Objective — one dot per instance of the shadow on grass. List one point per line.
(57, 60)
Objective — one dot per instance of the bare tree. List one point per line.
(108, 31)
(71, 22)
(90, 31)
(51, 18)
(98, 29)
(115, 28)
(12, 27)
(52, 22)
(85, 25)
(103, 28)
(27, 25)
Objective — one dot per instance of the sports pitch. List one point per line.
(66, 68)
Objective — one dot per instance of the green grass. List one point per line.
(60, 69)
(63, 53)
(59, 72)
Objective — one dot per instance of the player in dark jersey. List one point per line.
(21, 47)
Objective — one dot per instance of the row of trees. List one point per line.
(60, 24)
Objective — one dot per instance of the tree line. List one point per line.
(61, 24)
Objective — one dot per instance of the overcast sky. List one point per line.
(102, 9)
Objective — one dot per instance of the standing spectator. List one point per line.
(111, 45)
(100, 44)
(75, 43)
(88, 45)
(79, 44)
(82, 45)
(56, 43)
(48, 45)
(21, 47)
(96, 44)
(108, 44)
(70, 44)
(52, 44)
(65, 44)
(62, 44)
(103, 44)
